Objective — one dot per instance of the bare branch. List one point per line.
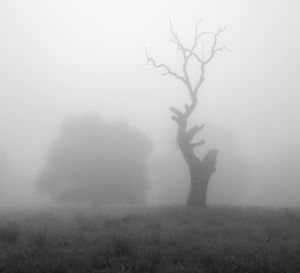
(202, 60)
(175, 35)
(201, 79)
(183, 49)
(204, 33)
(223, 48)
(186, 57)
(196, 29)
(193, 131)
(197, 144)
(196, 36)
(168, 70)
(176, 40)
(176, 112)
(214, 49)
(174, 118)
(187, 53)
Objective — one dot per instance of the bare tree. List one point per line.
(200, 169)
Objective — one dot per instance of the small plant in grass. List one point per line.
(9, 233)
(112, 223)
(154, 258)
(132, 219)
(291, 216)
(154, 226)
(84, 223)
(101, 257)
(123, 245)
(40, 238)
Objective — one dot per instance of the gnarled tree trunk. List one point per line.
(200, 176)
(200, 170)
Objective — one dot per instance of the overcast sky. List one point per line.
(71, 57)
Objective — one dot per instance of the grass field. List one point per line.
(178, 239)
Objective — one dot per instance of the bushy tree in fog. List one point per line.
(202, 51)
(97, 162)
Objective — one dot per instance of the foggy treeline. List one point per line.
(73, 58)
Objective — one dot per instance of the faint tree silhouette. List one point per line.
(97, 162)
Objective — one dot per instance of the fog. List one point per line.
(72, 58)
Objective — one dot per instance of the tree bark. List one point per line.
(200, 174)
(200, 170)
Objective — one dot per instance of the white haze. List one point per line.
(71, 57)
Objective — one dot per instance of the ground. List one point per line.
(173, 239)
